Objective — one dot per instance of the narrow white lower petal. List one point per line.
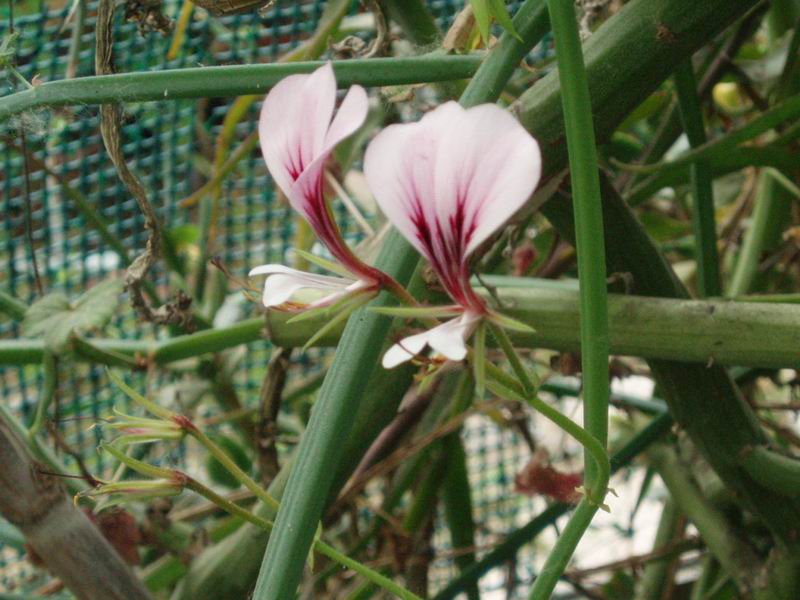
(405, 350)
(283, 283)
(448, 339)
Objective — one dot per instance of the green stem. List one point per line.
(654, 580)
(531, 22)
(594, 449)
(513, 358)
(771, 211)
(590, 248)
(704, 223)
(227, 81)
(457, 503)
(234, 469)
(42, 453)
(49, 387)
(414, 19)
(12, 307)
(373, 576)
(329, 427)
(90, 351)
(565, 547)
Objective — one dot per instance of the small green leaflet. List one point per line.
(55, 318)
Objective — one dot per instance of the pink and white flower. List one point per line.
(298, 132)
(447, 183)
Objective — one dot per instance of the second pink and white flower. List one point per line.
(447, 183)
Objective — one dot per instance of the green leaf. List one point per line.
(55, 318)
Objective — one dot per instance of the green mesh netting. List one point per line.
(167, 145)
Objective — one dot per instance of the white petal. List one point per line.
(448, 339)
(405, 350)
(283, 282)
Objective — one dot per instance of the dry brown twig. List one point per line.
(175, 312)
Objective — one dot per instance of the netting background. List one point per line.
(164, 143)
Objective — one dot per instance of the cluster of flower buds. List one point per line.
(166, 426)
(447, 182)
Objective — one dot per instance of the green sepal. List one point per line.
(479, 360)
(324, 263)
(503, 391)
(148, 405)
(507, 322)
(137, 465)
(343, 314)
(417, 312)
(500, 12)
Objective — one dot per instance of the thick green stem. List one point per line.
(757, 331)
(457, 502)
(227, 81)
(703, 221)
(590, 246)
(775, 471)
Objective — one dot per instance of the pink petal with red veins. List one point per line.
(351, 115)
(487, 166)
(294, 121)
(400, 165)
